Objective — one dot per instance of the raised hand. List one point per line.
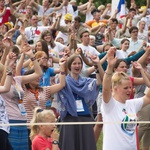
(26, 48)
(94, 59)
(7, 42)
(55, 135)
(111, 56)
(137, 65)
(63, 60)
(78, 51)
(10, 59)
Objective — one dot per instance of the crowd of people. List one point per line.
(58, 66)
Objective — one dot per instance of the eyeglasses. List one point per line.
(44, 58)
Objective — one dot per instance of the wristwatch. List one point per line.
(55, 142)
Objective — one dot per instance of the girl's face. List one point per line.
(142, 25)
(47, 37)
(107, 48)
(38, 46)
(44, 60)
(123, 90)
(121, 67)
(76, 66)
(48, 129)
(125, 45)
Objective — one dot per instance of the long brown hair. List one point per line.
(47, 32)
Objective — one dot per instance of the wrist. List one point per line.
(55, 142)
(108, 73)
(33, 58)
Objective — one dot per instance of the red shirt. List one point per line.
(40, 143)
(5, 17)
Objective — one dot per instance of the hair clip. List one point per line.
(39, 110)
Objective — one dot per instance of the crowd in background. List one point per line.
(58, 66)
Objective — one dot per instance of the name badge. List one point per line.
(79, 106)
(22, 109)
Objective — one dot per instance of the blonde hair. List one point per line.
(39, 116)
(19, 40)
(118, 77)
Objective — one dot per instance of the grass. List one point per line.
(100, 142)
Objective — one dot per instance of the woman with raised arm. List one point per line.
(116, 107)
(75, 101)
(18, 136)
(4, 130)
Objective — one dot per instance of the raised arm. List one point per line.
(62, 78)
(10, 60)
(107, 89)
(38, 71)
(98, 70)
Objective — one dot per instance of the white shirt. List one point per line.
(121, 54)
(134, 46)
(120, 136)
(33, 33)
(87, 50)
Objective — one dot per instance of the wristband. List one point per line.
(33, 59)
(62, 73)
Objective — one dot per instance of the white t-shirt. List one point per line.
(64, 10)
(143, 36)
(33, 33)
(121, 54)
(87, 50)
(118, 136)
(59, 49)
(42, 11)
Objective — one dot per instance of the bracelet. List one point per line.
(96, 71)
(109, 74)
(33, 58)
(62, 73)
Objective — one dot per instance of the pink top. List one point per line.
(12, 98)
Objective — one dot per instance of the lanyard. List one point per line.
(19, 93)
(36, 94)
(33, 32)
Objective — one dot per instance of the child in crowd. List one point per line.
(44, 137)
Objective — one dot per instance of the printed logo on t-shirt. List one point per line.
(127, 126)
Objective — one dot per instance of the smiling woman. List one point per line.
(117, 106)
(75, 101)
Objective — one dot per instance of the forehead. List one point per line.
(38, 43)
(77, 59)
(34, 17)
(122, 64)
(125, 82)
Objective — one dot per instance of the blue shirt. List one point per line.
(45, 80)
